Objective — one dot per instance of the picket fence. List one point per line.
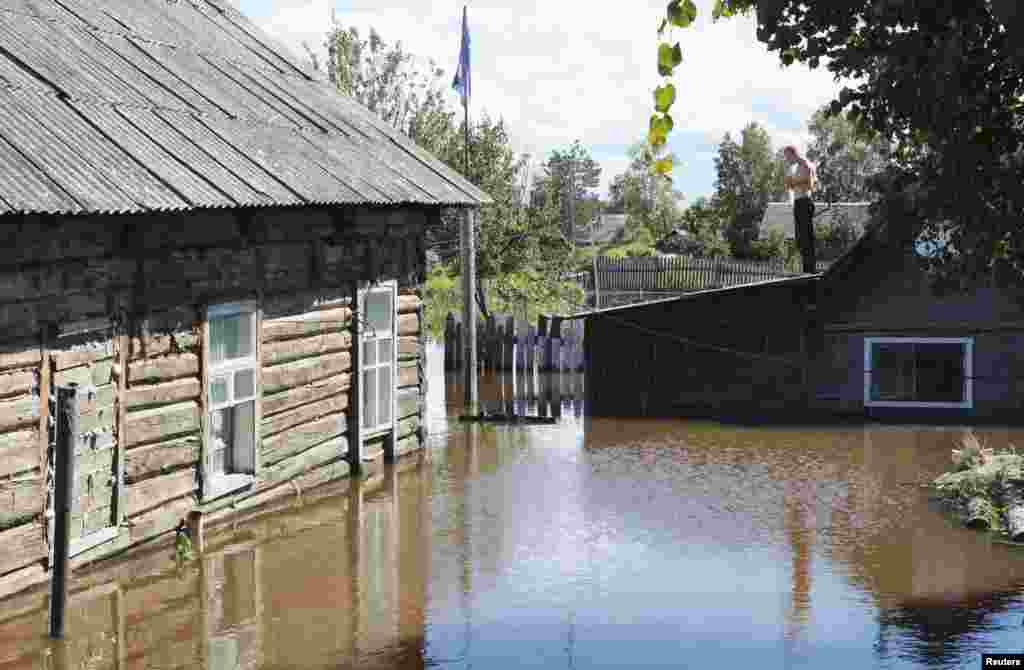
(505, 342)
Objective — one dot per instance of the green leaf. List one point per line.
(663, 166)
(664, 96)
(661, 26)
(682, 13)
(664, 59)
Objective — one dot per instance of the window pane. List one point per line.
(218, 390)
(384, 351)
(369, 399)
(245, 384)
(244, 429)
(221, 438)
(892, 372)
(370, 353)
(384, 386)
(230, 337)
(378, 311)
(940, 372)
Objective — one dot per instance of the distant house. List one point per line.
(219, 249)
(605, 228)
(779, 216)
(868, 338)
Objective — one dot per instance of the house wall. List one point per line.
(887, 295)
(116, 303)
(635, 373)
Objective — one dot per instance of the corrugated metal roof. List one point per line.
(136, 105)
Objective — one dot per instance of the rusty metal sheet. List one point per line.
(234, 160)
(207, 166)
(166, 167)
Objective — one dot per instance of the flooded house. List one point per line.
(867, 338)
(219, 249)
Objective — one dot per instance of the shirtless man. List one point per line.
(800, 182)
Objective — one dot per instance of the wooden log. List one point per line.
(408, 375)
(17, 383)
(307, 324)
(407, 445)
(282, 351)
(21, 501)
(164, 368)
(18, 413)
(979, 513)
(408, 304)
(161, 519)
(329, 450)
(23, 354)
(291, 398)
(19, 452)
(149, 395)
(299, 373)
(83, 352)
(408, 348)
(22, 545)
(407, 402)
(408, 324)
(153, 492)
(151, 425)
(150, 345)
(300, 438)
(160, 458)
(96, 374)
(304, 414)
(22, 578)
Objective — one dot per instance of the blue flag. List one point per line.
(462, 79)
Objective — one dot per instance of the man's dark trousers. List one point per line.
(803, 213)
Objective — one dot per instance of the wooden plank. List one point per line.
(161, 519)
(19, 452)
(303, 414)
(150, 345)
(17, 383)
(408, 324)
(22, 578)
(66, 356)
(161, 457)
(408, 303)
(307, 324)
(164, 368)
(139, 396)
(408, 375)
(161, 423)
(21, 500)
(96, 374)
(300, 438)
(331, 449)
(298, 373)
(322, 388)
(19, 413)
(408, 426)
(282, 351)
(150, 493)
(23, 354)
(22, 545)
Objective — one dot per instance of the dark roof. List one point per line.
(736, 288)
(138, 105)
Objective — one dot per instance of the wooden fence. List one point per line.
(682, 273)
(506, 343)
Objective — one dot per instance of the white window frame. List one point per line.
(367, 335)
(968, 342)
(216, 485)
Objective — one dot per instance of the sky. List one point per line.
(573, 69)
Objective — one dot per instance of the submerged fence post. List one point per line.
(64, 482)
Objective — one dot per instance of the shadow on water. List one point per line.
(589, 543)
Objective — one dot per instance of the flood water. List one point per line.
(590, 543)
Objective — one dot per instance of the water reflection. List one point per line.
(589, 543)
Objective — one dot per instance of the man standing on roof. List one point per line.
(800, 180)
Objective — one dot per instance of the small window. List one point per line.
(378, 357)
(918, 372)
(231, 398)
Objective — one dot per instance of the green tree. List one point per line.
(704, 224)
(568, 177)
(749, 176)
(846, 158)
(943, 83)
(648, 202)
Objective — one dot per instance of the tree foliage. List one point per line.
(846, 158)
(567, 180)
(943, 83)
(647, 201)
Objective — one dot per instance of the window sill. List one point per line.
(913, 404)
(91, 540)
(224, 484)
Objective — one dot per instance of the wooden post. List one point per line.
(449, 342)
(67, 434)
(472, 395)
(509, 354)
(460, 351)
(195, 529)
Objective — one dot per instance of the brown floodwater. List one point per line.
(588, 543)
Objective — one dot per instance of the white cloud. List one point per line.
(558, 71)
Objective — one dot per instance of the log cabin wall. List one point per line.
(117, 304)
